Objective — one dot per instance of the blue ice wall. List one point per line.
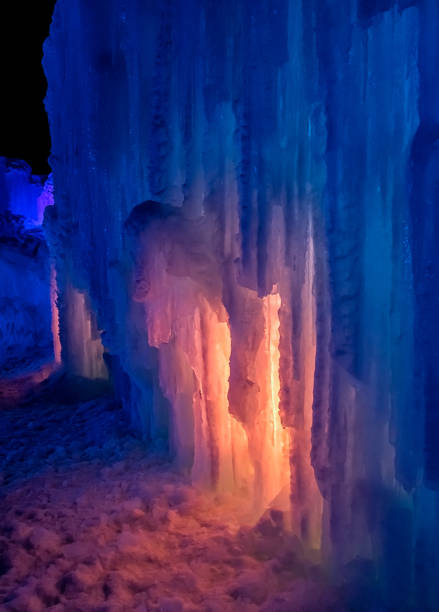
(25, 306)
(272, 122)
(25, 321)
(22, 192)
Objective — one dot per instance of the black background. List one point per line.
(24, 131)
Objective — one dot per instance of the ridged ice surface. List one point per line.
(247, 215)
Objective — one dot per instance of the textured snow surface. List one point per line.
(90, 522)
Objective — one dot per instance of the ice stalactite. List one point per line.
(83, 346)
(80, 348)
(178, 280)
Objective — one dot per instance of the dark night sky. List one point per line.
(24, 131)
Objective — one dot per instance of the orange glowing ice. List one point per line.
(275, 443)
(220, 362)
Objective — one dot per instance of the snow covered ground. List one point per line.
(89, 521)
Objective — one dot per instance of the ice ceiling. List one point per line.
(245, 235)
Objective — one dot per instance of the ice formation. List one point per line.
(246, 232)
(25, 300)
(24, 193)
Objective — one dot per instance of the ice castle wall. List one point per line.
(287, 150)
(25, 302)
